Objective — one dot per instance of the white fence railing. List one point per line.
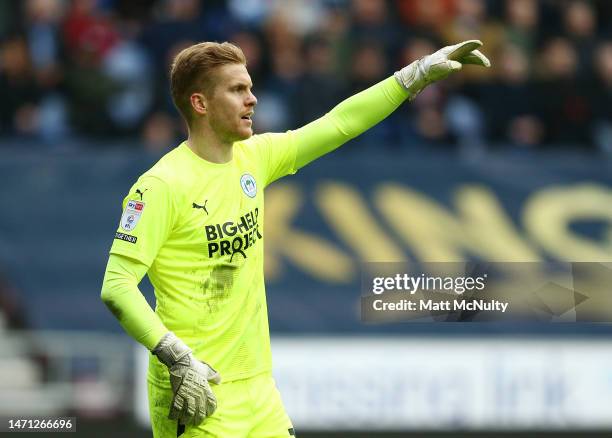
(52, 372)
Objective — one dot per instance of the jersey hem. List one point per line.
(224, 378)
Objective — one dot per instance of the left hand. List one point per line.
(439, 65)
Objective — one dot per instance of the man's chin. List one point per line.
(244, 134)
(240, 135)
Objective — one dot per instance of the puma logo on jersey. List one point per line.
(138, 192)
(203, 207)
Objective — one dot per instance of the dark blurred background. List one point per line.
(98, 69)
(509, 164)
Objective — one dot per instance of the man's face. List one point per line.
(231, 103)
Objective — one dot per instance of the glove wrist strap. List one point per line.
(170, 349)
(412, 78)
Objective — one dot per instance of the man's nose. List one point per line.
(251, 99)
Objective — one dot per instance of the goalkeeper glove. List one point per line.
(192, 400)
(439, 65)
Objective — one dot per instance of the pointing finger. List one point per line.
(463, 49)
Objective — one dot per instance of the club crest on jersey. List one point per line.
(249, 187)
(131, 214)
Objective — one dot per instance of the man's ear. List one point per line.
(198, 103)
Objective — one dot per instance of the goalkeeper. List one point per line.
(194, 224)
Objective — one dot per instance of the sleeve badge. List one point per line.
(131, 214)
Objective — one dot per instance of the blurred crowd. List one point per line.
(98, 69)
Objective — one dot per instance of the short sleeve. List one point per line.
(146, 221)
(277, 153)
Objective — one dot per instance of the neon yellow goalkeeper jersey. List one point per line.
(199, 227)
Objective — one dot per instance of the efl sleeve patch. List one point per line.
(131, 214)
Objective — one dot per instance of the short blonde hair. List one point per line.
(192, 71)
